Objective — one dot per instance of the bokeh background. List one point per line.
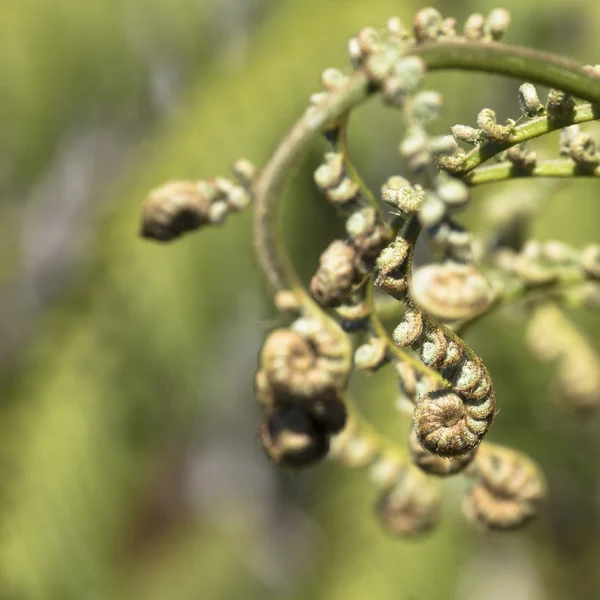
(129, 466)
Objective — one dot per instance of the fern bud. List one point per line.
(401, 196)
(411, 70)
(409, 330)
(427, 25)
(567, 136)
(497, 23)
(426, 106)
(529, 101)
(448, 425)
(432, 464)
(336, 273)
(385, 472)
(560, 105)
(390, 270)
(291, 438)
(371, 356)
(332, 79)
(486, 120)
(522, 159)
(583, 151)
(410, 508)
(244, 171)
(464, 133)
(176, 208)
(452, 192)
(329, 174)
(590, 261)
(474, 27)
(434, 347)
(367, 233)
(432, 211)
(509, 490)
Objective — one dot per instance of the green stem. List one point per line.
(269, 185)
(527, 131)
(352, 171)
(547, 168)
(513, 61)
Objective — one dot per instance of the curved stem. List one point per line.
(548, 168)
(512, 61)
(270, 182)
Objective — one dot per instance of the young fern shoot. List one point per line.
(304, 368)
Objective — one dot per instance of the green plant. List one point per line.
(339, 322)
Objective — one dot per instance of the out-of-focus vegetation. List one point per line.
(128, 461)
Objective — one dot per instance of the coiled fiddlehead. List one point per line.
(508, 490)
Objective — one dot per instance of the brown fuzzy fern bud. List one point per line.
(244, 171)
(329, 413)
(354, 448)
(583, 151)
(432, 464)
(263, 391)
(176, 208)
(404, 198)
(354, 314)
(560, 105)
(409, 330)
(411, 507)
(509, 491)
(371, 356)
(336, 273)
(566, 137)
(434, 347)
(522, 159)
(385, 472)
(405, 79)
(292, 365)
(427, 25)
(432, 211)
(291, 438)
(426, 106)
(452, 192)
(332, 79)
(454, 354)
(390, 268)
(497, 23)
(448, 424)
(590, 261)
(529, 101)
(451, 291)
(287, 301)
(486, 120)
(304, 363)
(367, 233)
(467, 134)
(329, 174)
(474, 29)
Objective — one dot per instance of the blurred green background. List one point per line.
(129, 466)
